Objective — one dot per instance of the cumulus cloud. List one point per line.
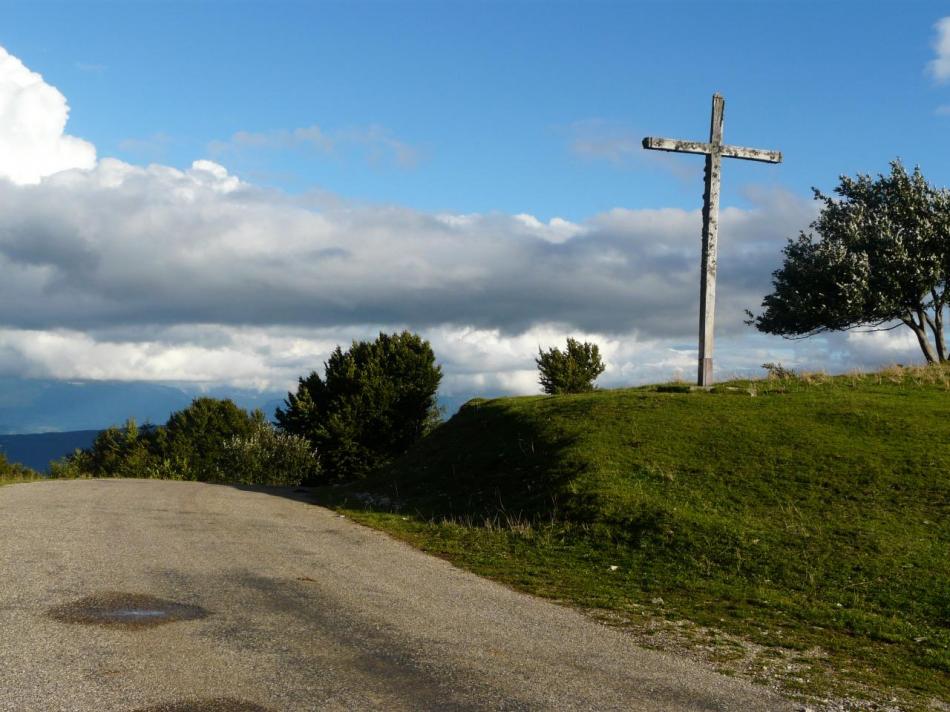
(128, 245)
(33, 116)
(474, 361)
(939, 67)
(117, 271)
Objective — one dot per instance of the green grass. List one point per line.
(807, 515)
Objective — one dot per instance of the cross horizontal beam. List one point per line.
(678, 146)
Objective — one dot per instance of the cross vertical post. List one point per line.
(707, 288)
(714, 152)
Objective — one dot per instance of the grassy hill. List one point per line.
(808, 517)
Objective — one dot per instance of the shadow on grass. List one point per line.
(486, 460)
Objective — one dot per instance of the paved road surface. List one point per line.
(306, 611)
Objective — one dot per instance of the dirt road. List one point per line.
(173, 596)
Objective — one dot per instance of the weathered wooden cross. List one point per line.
(714, 151)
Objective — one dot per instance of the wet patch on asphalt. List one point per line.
(217, 704)
(125, 610)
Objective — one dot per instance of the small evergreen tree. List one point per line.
(374, 401)
(571, 371)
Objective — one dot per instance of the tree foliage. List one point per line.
(194, 438)
(879, 257)
(373, 402)
(266, 456)
(211, 440)
(14, 470)
(570, 371)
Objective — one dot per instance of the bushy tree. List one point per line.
(879, 257)
(14, 470)
(210, 440)
(194, 438)
(121, 452)
(269, 457)
(373, 402)
(570, 371)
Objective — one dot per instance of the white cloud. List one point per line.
(474, 361)
(129, 245)
(33, 116)
(112, 270)
(939, 67)
(555, 230)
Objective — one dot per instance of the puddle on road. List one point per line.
(125, 610)
(218, 704)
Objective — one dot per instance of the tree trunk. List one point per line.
(920, 330)
(940, 301)
(936, 326)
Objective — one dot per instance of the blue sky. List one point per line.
(490, 97)
(472, 171)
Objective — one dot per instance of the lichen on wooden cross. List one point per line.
(715, 150)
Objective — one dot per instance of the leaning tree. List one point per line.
(878, 257)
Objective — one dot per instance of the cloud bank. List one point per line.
(128, 245)
(117, 271)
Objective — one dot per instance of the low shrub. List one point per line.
(210, 441)
(570, 371)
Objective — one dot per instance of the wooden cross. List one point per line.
(715, 150)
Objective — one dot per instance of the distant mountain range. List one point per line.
(45, 419)
(38, 449)
(43, 406)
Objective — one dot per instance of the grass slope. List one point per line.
(814, 516)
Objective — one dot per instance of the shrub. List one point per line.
(194, 438)
(777, 370)
(571, 371)
(210, 440)
(268, 457)
(15, 472)
(374, 401)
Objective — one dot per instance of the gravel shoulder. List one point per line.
(305, 610)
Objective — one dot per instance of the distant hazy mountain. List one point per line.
(36, 451)
(42, 406)
(43, 420)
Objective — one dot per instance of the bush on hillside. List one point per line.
(570, 371)
(267, 456)
(211, 440)
(194, 438)
(374, 401)
(15, 471)
(120, 452)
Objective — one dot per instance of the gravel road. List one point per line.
(282, 605)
